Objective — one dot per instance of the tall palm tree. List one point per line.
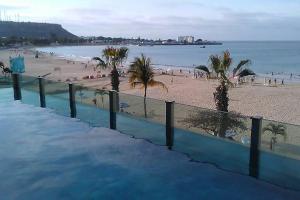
(113, 58)
(141, 73)
(275, 129)
(221, 66)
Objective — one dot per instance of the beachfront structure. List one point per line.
(186, 39)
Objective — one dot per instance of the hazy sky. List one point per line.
(214, 19)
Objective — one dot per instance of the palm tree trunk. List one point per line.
(115, 82)
(223, 124)
(145, 105)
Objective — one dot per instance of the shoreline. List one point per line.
(276, 75)
(271, 102)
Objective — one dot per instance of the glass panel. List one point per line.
(30, 90)
(57, 97)
(210, 136)
(5, 81)
(141, 120)
(6, 91)
(92, 106)
(280, 153)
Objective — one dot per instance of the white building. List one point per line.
(186, 39)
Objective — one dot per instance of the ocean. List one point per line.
(281, 58)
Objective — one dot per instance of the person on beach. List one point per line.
(270, 81)
(275, 81)
(291, 76)
(282, 82)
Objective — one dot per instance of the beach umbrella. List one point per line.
(203, 68)
(246, 72)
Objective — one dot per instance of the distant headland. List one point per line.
(14, 34)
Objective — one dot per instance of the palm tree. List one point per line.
(141, 73)
(114, 58)
(221, 66)
(275, 129)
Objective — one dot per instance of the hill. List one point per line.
(34, 30)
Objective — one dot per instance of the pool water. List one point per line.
(44, 155)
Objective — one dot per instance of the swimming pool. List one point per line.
(48, 156)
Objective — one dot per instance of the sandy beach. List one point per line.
(272, 102)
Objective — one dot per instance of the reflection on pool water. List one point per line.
(48, 156)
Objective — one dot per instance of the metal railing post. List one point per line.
(72, 100)
(16, 87)
(113, 107)
(169, 124)
(255, 145)
(42, 92)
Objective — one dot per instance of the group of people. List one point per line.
(268, 81)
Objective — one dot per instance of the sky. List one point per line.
(212, 20)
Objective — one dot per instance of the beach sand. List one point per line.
(280, 103)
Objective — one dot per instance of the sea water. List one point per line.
(267, 57)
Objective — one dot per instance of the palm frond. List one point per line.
(203, 68)
(215, 63)
(154, 83)
(101, 62)
(141, 73)
(276, 129)
(226, 61)
(246, 72)
(240, 65)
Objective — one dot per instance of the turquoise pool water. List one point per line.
(48, 156)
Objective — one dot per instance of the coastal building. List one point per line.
(186, 39)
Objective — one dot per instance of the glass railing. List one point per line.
(142, 119)
(280, 153)
(92, 105)
(5, 81)
(215, 137)
(57, 97)
(30, 90)
(209, 136)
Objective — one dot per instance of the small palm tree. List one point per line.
(275, 130)
(114, 58)
(141, 73)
